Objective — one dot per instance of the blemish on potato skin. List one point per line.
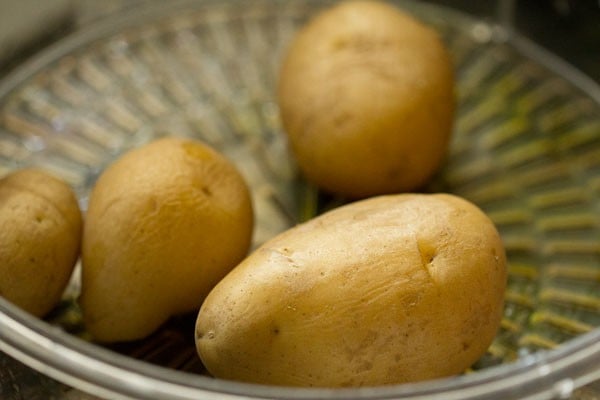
(286, 251)
(209, 335)
(427, 251)
(206, 191)
(342, 119)
(364, 366)
(284, 256)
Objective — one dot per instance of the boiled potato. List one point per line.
(366, 99)
(39, 239)
(387, 290)
(165, 223)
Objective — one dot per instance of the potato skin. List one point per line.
(366, 96)
(165, 223)
(40, 239)
(387, 290)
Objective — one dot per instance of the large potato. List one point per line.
(39, 239)
(366, 99)
(387, 290)
(165, 223)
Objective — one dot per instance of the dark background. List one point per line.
(568, 28)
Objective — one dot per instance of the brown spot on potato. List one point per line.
(201, 335)
(364, 366)
(342, 119)
(427, 251)
(206, 191)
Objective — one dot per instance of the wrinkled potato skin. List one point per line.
(39, 241)
(388, 290)
(165, 223)
(367, 100)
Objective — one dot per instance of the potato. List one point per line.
(39, 239)
(165, 223)
(387, 290)
(366, 99)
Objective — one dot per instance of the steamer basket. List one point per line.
(526, 149)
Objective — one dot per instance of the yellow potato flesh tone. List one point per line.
(387, 290)
(165, 223)
(39, 241)
(366, 94)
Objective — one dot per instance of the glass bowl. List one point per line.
(526, 149)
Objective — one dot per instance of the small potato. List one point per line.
(39, 240)
(165, 223)
(393, 289)
(366, 94)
